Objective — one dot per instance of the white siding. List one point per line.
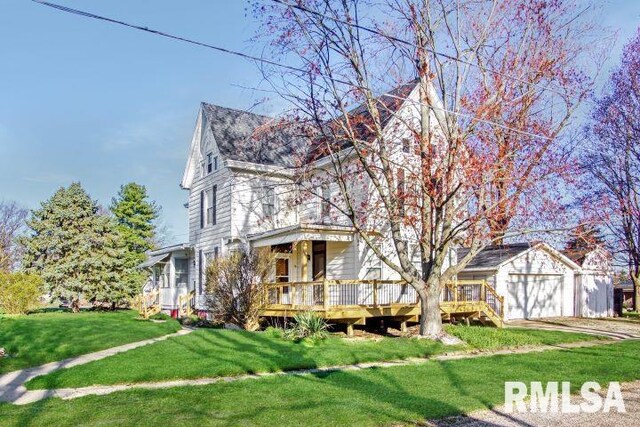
(341, 260)
(247, 204)
(207, 238)
(594, 294)
(539, 262)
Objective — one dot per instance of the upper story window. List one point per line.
(268, 201)
(406, 145)
(401, 193)
(208, 206)
(325, 201)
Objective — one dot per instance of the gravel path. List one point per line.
(12, 387)
(497, 416)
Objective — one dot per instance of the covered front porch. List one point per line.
(321, 268)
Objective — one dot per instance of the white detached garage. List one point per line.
(536, 280)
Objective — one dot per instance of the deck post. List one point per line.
(375, 293)
(350, 329)
(325, 294)
(293, 296)
(403, 327)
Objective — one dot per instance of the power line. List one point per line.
(163, 34)
(408, 43)
(254, 58)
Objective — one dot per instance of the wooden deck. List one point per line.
(353, 301)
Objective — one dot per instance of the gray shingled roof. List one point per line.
(493, 256)
(250, 137)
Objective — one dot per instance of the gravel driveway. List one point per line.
(625, 328)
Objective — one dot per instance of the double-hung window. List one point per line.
(210, 160)
(268, 201)
(208, 206)
(401, 193)
(182, 271)
(212, 205)
(325, 202)
(406, 145)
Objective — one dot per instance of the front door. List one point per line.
(282, 276)
(319, 260)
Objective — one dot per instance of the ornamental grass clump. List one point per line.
(307, 324)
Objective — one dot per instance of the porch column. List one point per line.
(304, 261)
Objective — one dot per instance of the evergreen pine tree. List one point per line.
(135, 215)
(75, 249)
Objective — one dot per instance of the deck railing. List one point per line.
(186, 303)
(339, 293)
(147, 304)
(473, 291)
(327, 294)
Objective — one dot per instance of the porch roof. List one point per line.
(154, 260)
(299, 232)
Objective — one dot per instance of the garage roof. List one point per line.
(494, 255)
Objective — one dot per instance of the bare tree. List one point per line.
(12, 223)
(448, 158)
(612, 163)
(234, 287)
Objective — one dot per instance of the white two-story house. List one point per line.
(240, 176)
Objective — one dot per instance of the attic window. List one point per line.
(210, 160)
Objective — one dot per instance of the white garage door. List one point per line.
(531, 296)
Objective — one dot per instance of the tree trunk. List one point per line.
(75, 306)
(430, 317)
(635, 300)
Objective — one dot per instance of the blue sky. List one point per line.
(87, 101)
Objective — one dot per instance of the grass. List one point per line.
(213, 353)
(46, 337)
(631, 315)
(389, 396)
(484, 338)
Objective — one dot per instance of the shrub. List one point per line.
(160, 316)
(234, 287)
(273, 332)
(307, 324)
(19, 292)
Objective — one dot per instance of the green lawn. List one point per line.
(388, 396)
(212, 353)
(46, 337)
(631, 315)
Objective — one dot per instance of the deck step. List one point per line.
(476, 309)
